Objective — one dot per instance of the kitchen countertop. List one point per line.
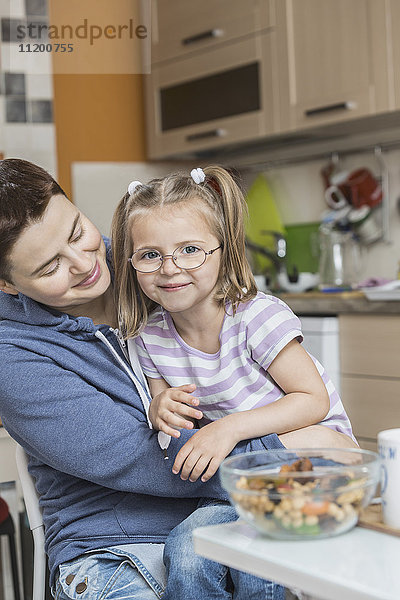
(336, 303)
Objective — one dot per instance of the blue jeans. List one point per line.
(191, 577)
(113, 573)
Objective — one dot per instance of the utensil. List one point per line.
(305, 281)
(340, 258)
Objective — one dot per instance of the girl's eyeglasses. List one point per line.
(185, 257)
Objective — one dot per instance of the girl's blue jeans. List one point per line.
(115, 573)
(193, 577)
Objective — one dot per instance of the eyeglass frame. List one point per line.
(171, 256)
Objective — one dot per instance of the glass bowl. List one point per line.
(301, 494)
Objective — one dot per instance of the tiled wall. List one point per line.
(26, 92)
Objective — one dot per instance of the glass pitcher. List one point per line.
(340, 258)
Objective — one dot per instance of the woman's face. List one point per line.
(59, 261)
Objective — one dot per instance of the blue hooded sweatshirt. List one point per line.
(69, 397)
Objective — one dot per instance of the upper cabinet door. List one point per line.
(333, 61)
(181, 27)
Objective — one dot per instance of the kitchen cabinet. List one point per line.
(194, 103)
(179, 28)
(230, 72)
(333, 62)
(213, 76)
(393, 17)
(370, 376)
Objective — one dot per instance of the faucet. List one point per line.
(277, 257)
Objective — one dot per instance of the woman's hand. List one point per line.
(205, 450)
(171, 408)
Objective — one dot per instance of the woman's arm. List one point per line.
(75, 428)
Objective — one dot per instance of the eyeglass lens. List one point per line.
(185, 257)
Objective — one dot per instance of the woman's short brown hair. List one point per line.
(25, 191)
(220, 201)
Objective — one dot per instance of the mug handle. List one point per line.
(341, 201)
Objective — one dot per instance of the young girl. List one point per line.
(187, 296)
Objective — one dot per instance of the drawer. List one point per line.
(181, 27)
(371, 404)
(370, 345)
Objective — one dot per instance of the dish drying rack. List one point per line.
(378, 151)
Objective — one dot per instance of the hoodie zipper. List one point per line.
(163, 439)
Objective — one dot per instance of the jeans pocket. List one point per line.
(79, 578)
(102, 576)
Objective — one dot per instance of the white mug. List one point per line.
(389, 450)
(334, 195)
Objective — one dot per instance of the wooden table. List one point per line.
(358, 565)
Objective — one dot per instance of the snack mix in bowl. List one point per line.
(301, 494)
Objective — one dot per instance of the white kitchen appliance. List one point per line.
(321, 339)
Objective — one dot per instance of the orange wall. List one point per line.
(97, 118)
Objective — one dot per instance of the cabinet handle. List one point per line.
(205, 35)
(205, 134)
(330, 107)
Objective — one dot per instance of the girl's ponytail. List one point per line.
(236, 282)
(133, 305)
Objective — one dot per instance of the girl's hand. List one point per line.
(205, 450)
(171, 409)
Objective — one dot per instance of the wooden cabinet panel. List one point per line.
(333, 60)
(371, 404)
(367, 444)
(394, 18)
(181, 27)
(370, 345)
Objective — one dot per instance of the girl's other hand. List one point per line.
(205, 451)
(172, 409)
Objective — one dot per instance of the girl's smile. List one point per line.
(174, 287)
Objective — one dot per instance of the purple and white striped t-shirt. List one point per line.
(236, 377)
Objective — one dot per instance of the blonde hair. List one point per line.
(223, 206)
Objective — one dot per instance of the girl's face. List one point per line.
(164, 230)
(59, 261)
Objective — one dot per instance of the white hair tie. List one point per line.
(132, 186)
(197, 175)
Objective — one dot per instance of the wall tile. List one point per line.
(15, 110)
(16, 9)
(36, 8)
(39, 86)
(17, 138)
(14, 84)
(41, 111)
(34, 30)
(9, 29)
(43, 137)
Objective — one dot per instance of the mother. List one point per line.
(69, 396)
